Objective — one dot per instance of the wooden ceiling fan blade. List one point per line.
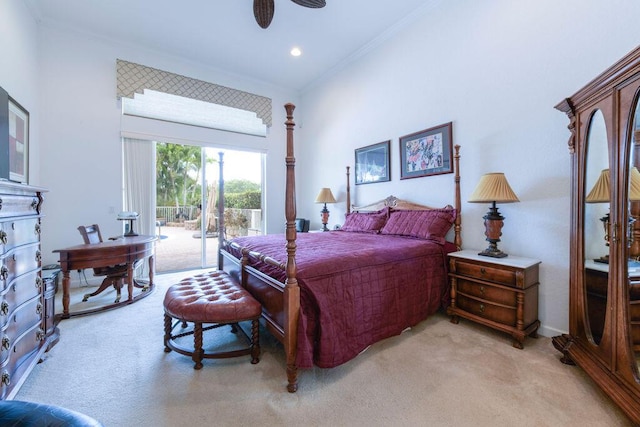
(316, 4)
(263, 10)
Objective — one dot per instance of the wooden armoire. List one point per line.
(604, 300)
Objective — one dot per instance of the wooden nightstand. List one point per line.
(501, 293)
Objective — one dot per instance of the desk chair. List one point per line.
(114, 275)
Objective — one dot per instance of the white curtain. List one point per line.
(139, 159)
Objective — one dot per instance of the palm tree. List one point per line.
(177, 175)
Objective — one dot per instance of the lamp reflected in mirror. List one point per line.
(600, 193)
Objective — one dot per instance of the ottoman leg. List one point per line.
(197, 345)
(255, 341)
(167, 332)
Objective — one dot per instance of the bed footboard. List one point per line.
(268, 291)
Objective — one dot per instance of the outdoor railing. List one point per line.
(181, 214)
(177, 214)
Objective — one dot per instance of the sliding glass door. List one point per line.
(186, 202)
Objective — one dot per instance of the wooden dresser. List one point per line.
(23, 325)
(501, 293)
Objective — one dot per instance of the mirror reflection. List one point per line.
(596, 225)
(634, 234)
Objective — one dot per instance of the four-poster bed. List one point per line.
(328, 296)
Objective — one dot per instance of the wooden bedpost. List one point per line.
(221, 235)
(291, 289)
(456, 226)
(348, 193)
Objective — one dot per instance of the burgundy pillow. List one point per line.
(365, 222)
(431, 224)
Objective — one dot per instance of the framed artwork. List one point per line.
(372, 163)
(18, 142)
(427, 152)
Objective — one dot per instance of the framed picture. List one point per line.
(427, 152)
(18, 142)
(372, 163)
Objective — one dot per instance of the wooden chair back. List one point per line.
(90, 233)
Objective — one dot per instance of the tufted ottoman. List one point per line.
(213, 298)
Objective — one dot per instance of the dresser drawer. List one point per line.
(24, 288)
(17, 262)
(21, 357)
(19, 320)
(496, 313)
(486, 292)
(19, 232)
(18, 205)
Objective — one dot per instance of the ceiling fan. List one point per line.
(263, 10)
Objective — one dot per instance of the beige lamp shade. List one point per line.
(493, 187)
(325, 196)
(600, 191)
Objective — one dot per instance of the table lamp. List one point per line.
(493, 188)
(325, 196)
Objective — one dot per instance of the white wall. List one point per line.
(83, 124)
(495, 69)
(19, 67)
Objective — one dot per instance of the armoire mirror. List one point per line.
(604, 295)
(596, 225)
(633, 245)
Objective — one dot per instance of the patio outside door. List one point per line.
(186, 207)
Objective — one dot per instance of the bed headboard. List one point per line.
(392, 202)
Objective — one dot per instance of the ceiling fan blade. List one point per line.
(316, 4)
(263, 10)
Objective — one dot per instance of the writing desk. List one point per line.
(123, 250)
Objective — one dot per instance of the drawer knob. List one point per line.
(6, 343)
(3, 237)
(4, 272)
(481, 308)
(483, 271)
(37, 229)
(6, 378)
(40, 335)
(482, 290)
(38, 256)
(4, 308)
(39, 309)
(38, 282)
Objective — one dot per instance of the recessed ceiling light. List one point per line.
(296, 51)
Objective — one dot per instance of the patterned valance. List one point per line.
(135, 78)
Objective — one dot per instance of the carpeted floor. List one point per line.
(112, 366)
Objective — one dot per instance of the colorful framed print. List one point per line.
(428, 152)
(372, 163)
(18, 142)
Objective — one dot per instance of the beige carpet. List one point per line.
(112, 366)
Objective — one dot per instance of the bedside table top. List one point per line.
(510, 260)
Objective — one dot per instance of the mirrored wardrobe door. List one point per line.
(596, 227)
(633, 243)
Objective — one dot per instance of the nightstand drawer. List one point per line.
(486, 292)
(484, 272)
(507, 275)
(497, 313)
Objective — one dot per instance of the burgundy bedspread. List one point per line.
(356, 288)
